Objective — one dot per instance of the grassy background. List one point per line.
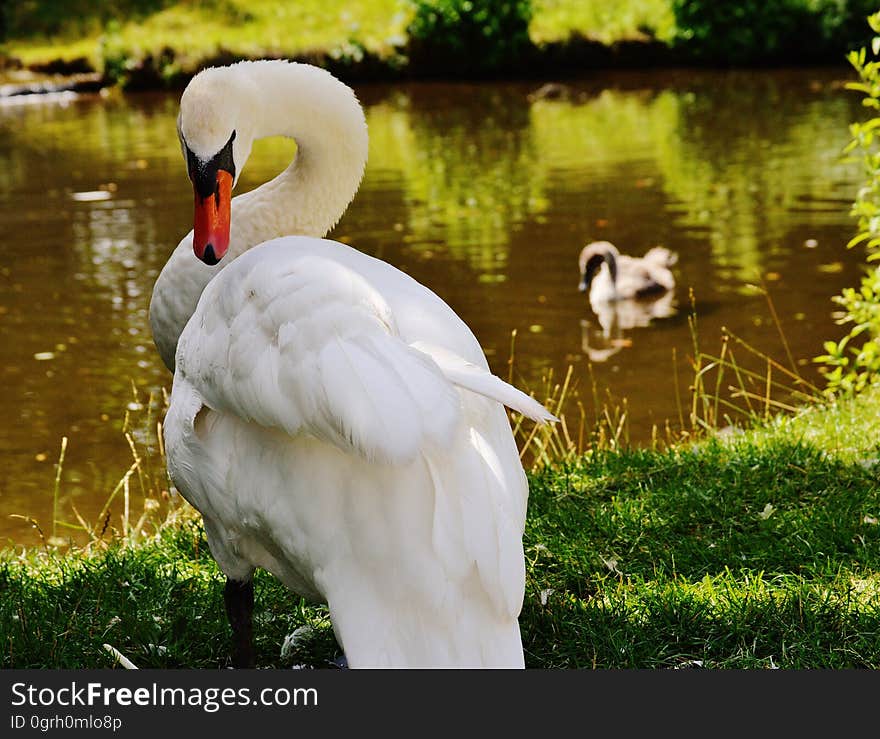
(760, 550)
(158, 43)
(267, 27)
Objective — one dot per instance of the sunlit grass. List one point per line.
(557, 20)
(760, 550)
(253, 28)
(756, 552)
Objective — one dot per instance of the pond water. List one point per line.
(485, 193)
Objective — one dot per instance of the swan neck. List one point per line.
(323, 116)
(272, 98)
(611, 261)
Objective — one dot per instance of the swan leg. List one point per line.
(239, 599)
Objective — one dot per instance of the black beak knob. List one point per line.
(208, 257)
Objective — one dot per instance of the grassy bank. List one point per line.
(759, 550)
(154, 43)
(180, 38)
(269, 26)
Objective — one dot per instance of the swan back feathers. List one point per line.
(305, 345)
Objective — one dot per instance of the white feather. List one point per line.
(305, 345)
(478, 380)
(333, 420)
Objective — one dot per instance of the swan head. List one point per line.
(591, 259)
(215, 127)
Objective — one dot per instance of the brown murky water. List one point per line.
(478, 191)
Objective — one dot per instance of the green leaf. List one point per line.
(858, 239)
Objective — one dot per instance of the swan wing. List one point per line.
(637, 278)
(305, 345)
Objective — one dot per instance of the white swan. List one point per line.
(611, 276)
(332, 419)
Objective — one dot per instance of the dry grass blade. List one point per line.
(757, 392)
(142, 431)
(58, 469)
(772, 308)
(33, 522)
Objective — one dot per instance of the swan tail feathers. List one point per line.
(469, 376)
(662, 256)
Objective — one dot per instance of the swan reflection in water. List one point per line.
(603, 334)
(625, 293)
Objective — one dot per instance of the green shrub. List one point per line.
(755, 31)
(469, 35)
(854, 362)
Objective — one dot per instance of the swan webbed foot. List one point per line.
(238, 597)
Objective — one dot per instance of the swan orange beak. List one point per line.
(211, 220)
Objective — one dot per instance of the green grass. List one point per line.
(557, 20)
(200, 30)
(254, 28)
(759, 550)
(741, 555)
(160, 604)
